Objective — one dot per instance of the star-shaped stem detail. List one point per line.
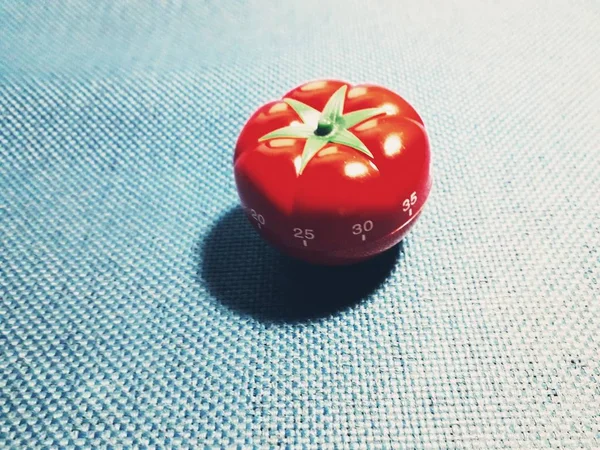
(321, 128)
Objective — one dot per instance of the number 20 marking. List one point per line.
(409, 202)
(260, 219)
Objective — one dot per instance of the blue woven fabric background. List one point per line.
(138, 309)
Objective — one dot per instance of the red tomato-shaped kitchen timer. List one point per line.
(333, 173)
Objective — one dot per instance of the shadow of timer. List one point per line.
(252, 278)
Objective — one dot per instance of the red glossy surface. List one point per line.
(345, 206)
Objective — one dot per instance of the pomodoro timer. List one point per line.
(333, 173)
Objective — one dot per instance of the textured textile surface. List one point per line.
(138, 309)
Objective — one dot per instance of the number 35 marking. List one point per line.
(409, 202)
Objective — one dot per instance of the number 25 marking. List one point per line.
(409, 202)
(306, 234)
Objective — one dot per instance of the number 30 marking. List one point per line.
(409, 202)
(361, 228)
